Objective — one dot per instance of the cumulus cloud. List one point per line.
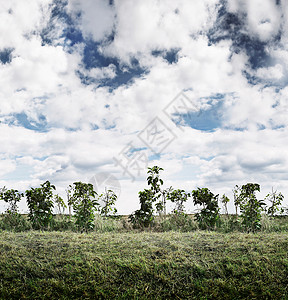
(79, 86)
(97, 17)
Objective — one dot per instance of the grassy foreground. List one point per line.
(170, 265)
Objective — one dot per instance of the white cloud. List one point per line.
(263, 17)
(41, 80)
(97, 17)
(154, 25)
(275, 72)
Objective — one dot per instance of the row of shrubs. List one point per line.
(251, 210)
(84, 202)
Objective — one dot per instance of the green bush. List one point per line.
(82, 199)
(40, 204)
(250, 207)
(209, 214)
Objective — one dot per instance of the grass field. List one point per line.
(147, 265)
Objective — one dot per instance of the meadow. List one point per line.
(95, 254)
(134, 264)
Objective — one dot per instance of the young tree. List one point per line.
(225, 200)
(209, 214)
(155, 183)
(276, 200)
(250, 207)
(165, 196)
(178, 197)
(82, 198)
(144, 217)
(61, 206)
(12, 197)
(40, 204)
(237, 199)
(109, 198)
(12, 219)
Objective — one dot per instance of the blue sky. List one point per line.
(111, 87)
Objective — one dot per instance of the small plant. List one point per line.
(225, 200)
(276, 200)
(109, 198)
(155, 183)
(178, 197)
(82, 198)
(237, 199)
(12, 220)
(12, 197)
(250, 207)
(60, 204)
(165, 196)
(209, 214)
(144, 217)
(40, 204)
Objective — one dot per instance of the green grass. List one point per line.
(147, 265)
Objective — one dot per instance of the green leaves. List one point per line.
(276, 200)
(109, 198)
(82, 199)
(178, 197)
(250, 207)
(144, 217)
(40, 204)
(12, 197)
(209, 214)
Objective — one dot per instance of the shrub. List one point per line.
(276, 200)
(12, 220)
(40, 204)
(109, 198)
(178, 197)
(82, 198)
(144, 217)
(250, 207)
(209, 214)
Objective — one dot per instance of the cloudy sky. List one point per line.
(98, 89)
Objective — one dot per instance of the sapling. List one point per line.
(178, 197)
(209, 214)
(12, 197)
(82, 198)
(40, 204)
(251, 207)
(109, 198)
(225, 200)
(276, 200)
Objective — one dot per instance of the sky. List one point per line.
(97, 91)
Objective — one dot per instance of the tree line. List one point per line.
(251, 209)
(84, 201)
(41, 201)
